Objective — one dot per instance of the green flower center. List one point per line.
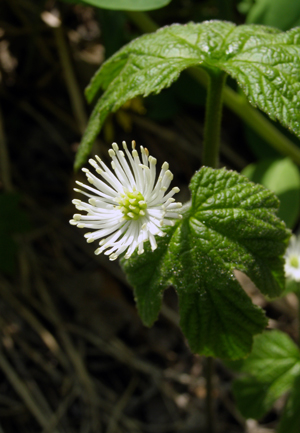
(294, 262)
(133, 205)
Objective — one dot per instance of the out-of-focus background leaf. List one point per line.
(269, 372)
(283, 178)
(283, 14)
(127, 5)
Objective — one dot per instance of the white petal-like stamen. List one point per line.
(128, 206)
(292, 259)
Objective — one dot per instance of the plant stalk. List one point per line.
(210, 157)
(253, 118)
(142, 21)
(213, 115)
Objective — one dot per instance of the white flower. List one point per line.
(292, 259)
(129, 208)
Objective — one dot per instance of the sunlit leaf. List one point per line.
(264, 61)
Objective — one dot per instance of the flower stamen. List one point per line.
(128, 206)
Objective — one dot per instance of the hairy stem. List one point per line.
(213, 115)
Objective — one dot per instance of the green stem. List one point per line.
(237, 103)
(253, 118)
(209, 412)
(142, 21)
(213, 115)
(211, 146)
(260, 124)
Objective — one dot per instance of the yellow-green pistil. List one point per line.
(294, 262)
(132, 205)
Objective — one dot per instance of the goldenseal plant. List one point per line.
(229, 223)
(292, 259)
(131, 207)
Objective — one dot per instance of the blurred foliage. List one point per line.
(283, 14)
(283, 178)
(131, 5)
(271, 370)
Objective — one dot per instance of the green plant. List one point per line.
(230, 223)
(270, 371)
(225, 209)
(273, 367)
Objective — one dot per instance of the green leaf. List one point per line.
(270, 371)
(270, 13)
(230, 224)
(12, 220)
(125, 5)
(290, 419)
(264, 61)
(283, 178)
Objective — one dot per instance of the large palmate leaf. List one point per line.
(269, 372)
(230, 224)
(264, 61)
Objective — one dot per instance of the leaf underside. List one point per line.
(264, 61)
(230, 224)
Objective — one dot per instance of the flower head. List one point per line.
(292, 259)
(129, 207)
